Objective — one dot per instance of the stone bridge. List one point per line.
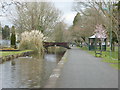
(61, 44)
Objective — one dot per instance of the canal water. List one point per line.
(28, 72)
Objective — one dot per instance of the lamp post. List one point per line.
(110, 11)
(119, 30)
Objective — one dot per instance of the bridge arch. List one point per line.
(60, 44)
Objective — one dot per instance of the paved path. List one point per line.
(86, 71)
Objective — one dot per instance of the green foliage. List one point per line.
(114, 37)
(118, 5)
(40, 28)
(13, 38)
(6, 32)
(76, 19)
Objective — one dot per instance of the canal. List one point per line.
(29, 72)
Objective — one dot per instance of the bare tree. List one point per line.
(31, 15)
(60, 32)
(83, 26)
(42, 16)
(107, 10)
(100, 7)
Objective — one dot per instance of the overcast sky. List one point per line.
(68, 13)
(65, 6)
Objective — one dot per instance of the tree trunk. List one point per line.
(119, 30)
(85, 41)
(81, 44)
(113, 46)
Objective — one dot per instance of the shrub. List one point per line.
(32, 40)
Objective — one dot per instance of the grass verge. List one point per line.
(112, 60)
(116, 66)
(6, 53)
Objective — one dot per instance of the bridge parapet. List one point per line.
(61, 44)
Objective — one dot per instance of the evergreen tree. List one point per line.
(76, 28)
(6, 32)
(13, 37)
(77, 19)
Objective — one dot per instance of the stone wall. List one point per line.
(10, 57)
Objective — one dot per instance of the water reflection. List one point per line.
(28, 72)
(50, 57)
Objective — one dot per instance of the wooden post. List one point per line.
(119, 30)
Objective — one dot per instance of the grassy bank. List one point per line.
(6, 53)
(108, 57)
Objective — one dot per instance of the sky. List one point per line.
(68, 13)
(64, 6)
